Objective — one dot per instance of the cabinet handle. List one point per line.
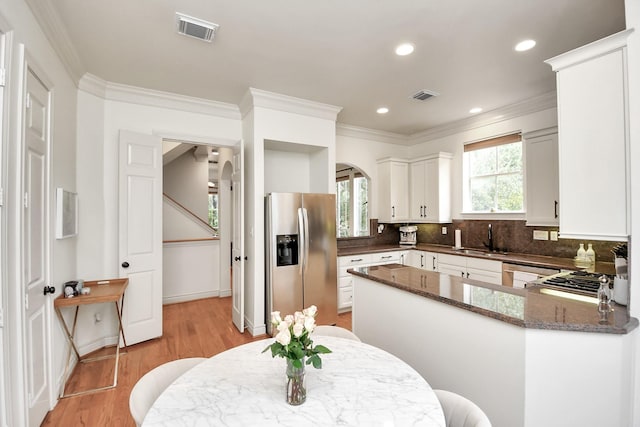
(393, 211)
(467, 275)
(462, 274)
(385, 257)
(421, 261)
(555, 209)
(356, 260)
(421, 214)
(433, 261)
(424, 211)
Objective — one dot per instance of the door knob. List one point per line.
(125, 264)
(49, 290)
(237, 258)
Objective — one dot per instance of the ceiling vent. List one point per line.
(423, 95)
(194, 27)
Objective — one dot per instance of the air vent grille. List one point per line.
(194, 27)
(423, 95)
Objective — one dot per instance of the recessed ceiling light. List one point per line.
(404, 49)
(525, 45)
(382, 110)
(475, 110)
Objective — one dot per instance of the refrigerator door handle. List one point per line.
(305, 243)
(303, 239)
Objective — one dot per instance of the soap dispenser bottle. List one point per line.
(582, 254)
(591, 254)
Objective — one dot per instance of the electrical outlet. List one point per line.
(444, 230)
(540, 235)
(553, 236)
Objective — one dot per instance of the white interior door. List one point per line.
(35, 244)
(140, 234)
(238, 237)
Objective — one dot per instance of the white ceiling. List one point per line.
(338, 52)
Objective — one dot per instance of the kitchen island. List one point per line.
(526, 357)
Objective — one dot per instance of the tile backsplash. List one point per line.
(508, 235)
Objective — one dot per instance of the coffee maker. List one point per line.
(408, 234)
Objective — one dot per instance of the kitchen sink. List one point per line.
(478, 252)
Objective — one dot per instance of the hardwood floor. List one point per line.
(199, 328)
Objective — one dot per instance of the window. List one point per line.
(493, 175)
(352, 195)
(213, 210)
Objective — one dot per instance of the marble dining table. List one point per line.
(358, 385)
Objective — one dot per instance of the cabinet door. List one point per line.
(542, 184)
(593, 126)
(393, 195)
(417, 184)
(413, 259)
(453, 270)
(431, 190)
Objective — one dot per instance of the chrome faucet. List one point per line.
(490, 235)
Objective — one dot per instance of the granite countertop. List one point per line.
(514, 258)
(534, 307)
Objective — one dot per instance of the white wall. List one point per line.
(190, 270)
(16, 19)
(455, 144)
(362, 152)
(261, 122)
(103, 110)
(632, 13)
(177, 225)
(185, 181)
(286, 172)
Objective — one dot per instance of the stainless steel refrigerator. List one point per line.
(301, 255)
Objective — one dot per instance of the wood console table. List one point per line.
(111, 290)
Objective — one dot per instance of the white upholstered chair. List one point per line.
(154, 382)
(460, 411)
(335, 331)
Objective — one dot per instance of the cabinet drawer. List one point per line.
(485, 276)
(452, 260)
(353, 260)
(484, 264)
(345, 297)
(385, 258)
(344, 282)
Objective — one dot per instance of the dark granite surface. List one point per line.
(514, 258)
(533, 307)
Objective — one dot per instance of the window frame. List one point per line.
(467, 212)
(349, 174)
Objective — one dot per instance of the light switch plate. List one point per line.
(540, 235)
(444, 230)
(553, 235)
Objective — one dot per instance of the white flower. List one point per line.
(282, 326)
(275, 318)
(299, 318)
(310, 324)
(298, 329)
(311, 311)
(289, 319)
(284, 337)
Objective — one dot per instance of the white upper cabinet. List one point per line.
(393, 184)
(593, 139)
(542, 190)
(430, 193)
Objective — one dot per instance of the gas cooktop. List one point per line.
(580, 281)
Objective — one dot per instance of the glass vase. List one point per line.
(296, 391)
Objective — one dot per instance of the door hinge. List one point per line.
(1, 196)
(26, 200)
(3, 77)
(28, 101)
(26, 301)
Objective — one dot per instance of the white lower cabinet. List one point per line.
(422, 259)
(484, 270)
(345, 280)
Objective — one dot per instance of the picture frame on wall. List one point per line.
(66, 213)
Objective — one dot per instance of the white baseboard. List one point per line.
(225, 293)
(189, 297)
(255, 330)
(97, 345)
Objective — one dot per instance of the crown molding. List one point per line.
(589, 51)
(289, 104)
(153, 98)
(51, 25)
(371, 134)
(532, 105)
